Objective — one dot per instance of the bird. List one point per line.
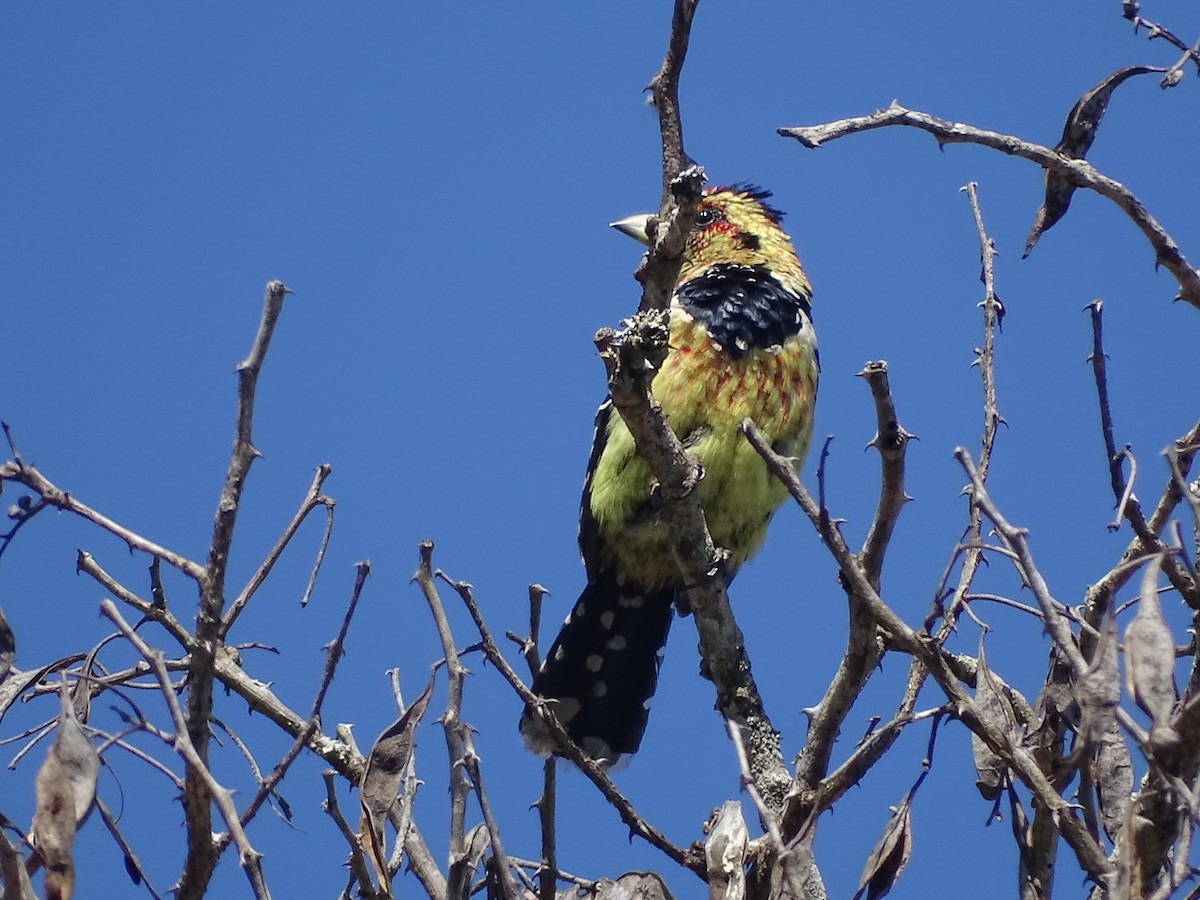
(741, 345)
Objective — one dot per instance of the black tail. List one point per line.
(602, 670)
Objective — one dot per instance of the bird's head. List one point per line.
(734, 224)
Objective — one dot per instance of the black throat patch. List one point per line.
(744, 308)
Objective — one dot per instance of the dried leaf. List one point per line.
(1099, 688)
(65, 789)
(1056, 704)
(1112, 774)
(995, 709)
(8, 647)
(1150, 660)
(1057, 696)
(725, 853)
(890, 855)
(1084, 118)
(1054, 206)
(1079, 132)
(20, 681)
(381, 780)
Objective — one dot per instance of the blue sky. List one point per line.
(435, 186)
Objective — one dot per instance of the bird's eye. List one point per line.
(705, 217)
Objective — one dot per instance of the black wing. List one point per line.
(589, 531)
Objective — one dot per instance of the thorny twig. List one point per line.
(333, 654)
(311, 501)
(631, 358)
(1127, 503)
(1014, 755)
(197, 795)
(1081, 173)
(458, 874)
(249, 858)
(629, 815)
(863, 647)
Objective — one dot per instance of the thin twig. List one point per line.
(768, 816)
(993, 312)
(689, 859)
(1016, 539)
(151, 610)
(333, 654)
(1127, 503)
(891, 440)
(506, 888)
(249, 858)
(359, 868)
(458, 873)
(60, 499)
(311, 501)
(1154, 30)
(1018, 758)
(680, 188)
(132, 863)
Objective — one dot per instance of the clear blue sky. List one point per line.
(435, 184)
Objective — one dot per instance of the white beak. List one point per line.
(634, 226)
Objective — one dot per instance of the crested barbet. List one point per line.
(741, 346)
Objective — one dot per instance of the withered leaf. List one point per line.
(890, 854)
(8, 647)
(1079, 131)
(995, 709)
(1150, 659)
(1112, 774)
(381, 780)
(1099, 688)
(1056, 704)
(20, 681)
(1057, 697)
(65, 789)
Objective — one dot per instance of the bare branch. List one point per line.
(333, 654)
(249, 858)
(891, 440)
(1081, 173)
(629, 815)
(1127, 503)
(30, 477)
(311, 501)
(942, 667)
(458, 874)
(359, 868)
(153, 611)
(196, 795)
